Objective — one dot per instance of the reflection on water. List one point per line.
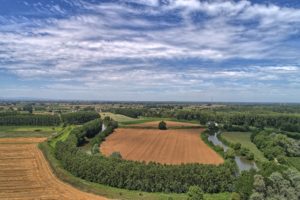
(215, 140)
(242, 163)
(103, 127)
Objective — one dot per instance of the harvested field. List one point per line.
(169, 146)
(169, 124)
(25, 174)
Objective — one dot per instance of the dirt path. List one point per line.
(25, 174)
(169, 146)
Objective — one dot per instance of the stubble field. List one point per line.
(174, 146)
(25, 174)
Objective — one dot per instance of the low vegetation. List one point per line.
(242, 139)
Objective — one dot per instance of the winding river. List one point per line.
(242, 163)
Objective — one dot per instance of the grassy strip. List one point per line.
(111, 192)
(116, 117)
(62, 136)
(27, 131)
(244, 139)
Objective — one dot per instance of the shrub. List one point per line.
(116, 155)
(162, 125)
(195, 193)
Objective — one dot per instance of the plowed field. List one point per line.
(25, 174)
(168, 146)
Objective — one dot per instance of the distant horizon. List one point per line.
(151, 50)
(29, 99)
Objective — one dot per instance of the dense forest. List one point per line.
(79, 117)
(15, 119)
(152, 177)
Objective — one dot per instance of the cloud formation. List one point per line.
(154, 47)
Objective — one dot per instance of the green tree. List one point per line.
(28, 108)
(162, 125)
(116, 155)
(237, 146)
(195, 193)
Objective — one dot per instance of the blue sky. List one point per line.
(156, 50)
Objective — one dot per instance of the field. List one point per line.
(116, 117)
(172, 124)
(25, 174)
(169, 146)
(244, 139)
(27, 131)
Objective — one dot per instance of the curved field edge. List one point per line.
(111, 192)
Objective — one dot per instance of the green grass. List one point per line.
(111, 192)
(61, 136)
(27, 131)
(294, 161)
(116, 117)
(244, 139)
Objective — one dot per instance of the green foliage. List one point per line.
(294, 162)
(28, 108)
(212, 127)
(79, 117)
(162, 125)
(230, 153)
(234, 139)
(237, 146)
(195, 193)
(283, 186)
(235, 196)
(17, 119)
(116, 155)
(244, 184)
(276, 145)
(152, 177)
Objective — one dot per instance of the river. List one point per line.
(242, 163)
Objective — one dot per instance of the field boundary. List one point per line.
(99, 189)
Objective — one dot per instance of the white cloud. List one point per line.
(117, 45)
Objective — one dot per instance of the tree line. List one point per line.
(151, 177)
(79, 117)
(260, 119)
(16, 119)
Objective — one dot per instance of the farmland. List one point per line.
(25, 174)
(168, 146)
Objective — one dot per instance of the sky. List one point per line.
(150, 50)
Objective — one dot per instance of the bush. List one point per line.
(116, 155)
(195, 193)
(162, 125)
(235, 196)
(237, 146)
